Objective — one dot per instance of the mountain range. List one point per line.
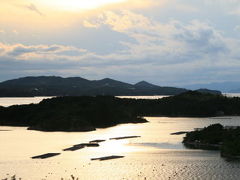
(77, 86)
(226, 87)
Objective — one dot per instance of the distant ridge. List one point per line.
(77, 86)
(226, 87)
(144, 84)
(208, 91)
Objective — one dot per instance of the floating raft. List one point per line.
(97, 141)
(107, 158)
(124, 137)
(179, 133)
(88, 144)
(81, 146)
(220, 118)
(73, 148)
(45, 156)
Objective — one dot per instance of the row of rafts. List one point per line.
(94, 143)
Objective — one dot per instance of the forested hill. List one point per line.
(87, 113)
(216, 136)
(77, 86)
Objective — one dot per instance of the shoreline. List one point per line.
(225, 139)
(144, 121)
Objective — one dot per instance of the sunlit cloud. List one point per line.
(15, 32)
(24, 52)
(82, 5)
(49, 15)
(74, 5)
(153, 38)
(33, 8)
(125, 39)
(89, 24)
(158, 49)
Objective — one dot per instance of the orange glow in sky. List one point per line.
(78, 4)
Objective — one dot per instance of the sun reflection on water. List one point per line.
(155, 155)
(117, 146)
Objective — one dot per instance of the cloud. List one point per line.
(222, 2)
(23, 52)
(15, 32)
(88, 24)
(235, 11)
(170, 52)
(237, 28)
(186, 8)
(136, 4)
(173, 41)
(33, 8)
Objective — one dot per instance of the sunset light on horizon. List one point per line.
(119, 89)
(74, 5)
(128, 40)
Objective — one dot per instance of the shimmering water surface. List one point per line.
(232, 94)
(155, 155)
(18, 100)
(143, 97)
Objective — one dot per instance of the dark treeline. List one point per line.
(87, 113)
(70, 114)
(216, 137)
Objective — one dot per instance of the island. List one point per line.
(83, 113)
(86, 113)
(216, 137)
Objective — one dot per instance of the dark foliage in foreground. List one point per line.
(87, 113)
(227, 140)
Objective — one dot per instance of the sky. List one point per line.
(165, 42)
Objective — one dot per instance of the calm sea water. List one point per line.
(160, 97)
(16, 100)
(232, 94)
(143, 97)
(155, 155)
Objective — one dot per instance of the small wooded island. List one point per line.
(85, 113)
(226, 139)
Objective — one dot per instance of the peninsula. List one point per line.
(217, 137)
(85, 113)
